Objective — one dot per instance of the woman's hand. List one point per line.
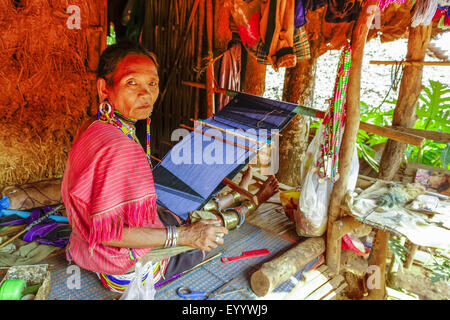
(201, 235)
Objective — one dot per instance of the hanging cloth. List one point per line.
(230, 73)
(385, 3)
(277, 32)
(301, 47)
(342, 11)
(314, 4)
(300, 14)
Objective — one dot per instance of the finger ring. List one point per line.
(217, 239)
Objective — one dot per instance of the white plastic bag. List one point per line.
(137, 290)
(312, 216)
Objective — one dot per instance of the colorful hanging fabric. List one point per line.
(443, 15)
(299, 14)
(424, 13)
(385, 3)
(314, 4)
(334, 120)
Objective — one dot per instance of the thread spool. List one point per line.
(12, 289)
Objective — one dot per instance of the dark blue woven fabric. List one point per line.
(192, 172)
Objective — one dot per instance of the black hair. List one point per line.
(115, 53)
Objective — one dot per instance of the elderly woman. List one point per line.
(108, 187)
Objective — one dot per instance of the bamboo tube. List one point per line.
(352, 122)
(412, 63)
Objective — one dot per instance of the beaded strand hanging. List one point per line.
(327, 163)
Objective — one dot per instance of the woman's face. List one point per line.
(135, 87)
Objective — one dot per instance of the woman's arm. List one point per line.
(200, 235)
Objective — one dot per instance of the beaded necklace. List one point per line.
(126, 125)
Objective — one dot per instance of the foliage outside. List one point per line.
(433, 113)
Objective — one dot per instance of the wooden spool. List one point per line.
(275, 272)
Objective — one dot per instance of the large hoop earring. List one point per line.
(104, 112)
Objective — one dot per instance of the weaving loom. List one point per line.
(188, 184)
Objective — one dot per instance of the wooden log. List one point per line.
(352, 123)
(404, 116)
(427, 134)
(275, 272)
(413, 63)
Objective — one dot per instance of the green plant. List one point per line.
(440, 267)
(399, 251)
(111, 39)
(433, 113)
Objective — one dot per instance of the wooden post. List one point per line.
(404, 116)
(210, 67)
(410, 256)
(359, 36)
(299, 88)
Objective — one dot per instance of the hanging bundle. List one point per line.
(443, 15)
(334, 120)
(425, 12)
(385, 3)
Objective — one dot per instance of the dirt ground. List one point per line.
(417, 280)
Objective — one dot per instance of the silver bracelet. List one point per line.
(175, 237)
(169, 236)
(172, 236)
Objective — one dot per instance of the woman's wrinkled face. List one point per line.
(135, 87)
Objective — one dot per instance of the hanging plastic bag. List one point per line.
(311, 218)
(246, 15)
(138, 289)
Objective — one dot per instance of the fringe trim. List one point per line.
(108, 225)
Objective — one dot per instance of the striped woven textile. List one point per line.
(107, 185)
(301, 47)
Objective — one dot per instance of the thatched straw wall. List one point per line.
(46, 85)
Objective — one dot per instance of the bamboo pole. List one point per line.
(404, 116)
(201, 18)
(210, 67)
(394, 134)
(223, 140)
(413, 63)
(352, 122)
(427, 134)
